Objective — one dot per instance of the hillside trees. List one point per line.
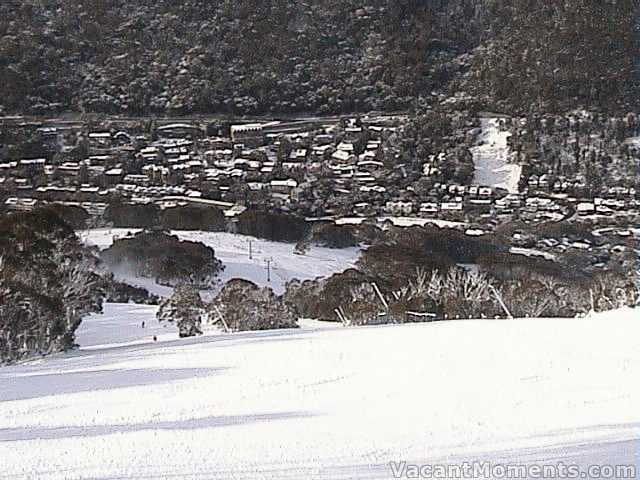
(48, 283)
(278, 227)
(394, 257)
(246, 58)
(124, 215)
(320, 56)
(360, 299)
(193, 217)
(553, 55)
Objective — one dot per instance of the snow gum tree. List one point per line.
(165, 257)
(242, 306)
(48, 283)
(185, 308)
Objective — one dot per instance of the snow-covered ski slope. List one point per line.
(332, 403)
(233, 251)
(491, 158)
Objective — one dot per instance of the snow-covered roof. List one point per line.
(341, 155)
(33, 161)
(345, 146)
(247, 127)
(290, 183)
(176, 126)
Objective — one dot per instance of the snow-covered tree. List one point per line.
(48, 283)
(242, 306)
(79, 283)
(166, 258)
(185, 308)
(364, 305)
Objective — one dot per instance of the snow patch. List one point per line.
(323, 403)
(532, 252)
(491, 158)
(421, 222)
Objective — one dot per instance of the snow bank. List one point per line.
(532, 252)
(338, 403)
(491, 159)
(421, 222)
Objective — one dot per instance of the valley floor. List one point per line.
(323, 401)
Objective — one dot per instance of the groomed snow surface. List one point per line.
(322, 403)
(491, 158)
(233, 251)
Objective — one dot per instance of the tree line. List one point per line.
(324, 56)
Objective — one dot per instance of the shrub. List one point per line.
(243, 306)
(184, 308)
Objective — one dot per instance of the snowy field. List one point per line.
(233, 251)
(491, 156)
(336, 403)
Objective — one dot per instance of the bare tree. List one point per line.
(465, 294)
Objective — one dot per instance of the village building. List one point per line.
(250, 134)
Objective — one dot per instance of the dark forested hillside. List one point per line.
(549, 55)
(252, 57)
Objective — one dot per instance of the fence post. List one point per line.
(224, 323)
(502, 304)
(379, 293)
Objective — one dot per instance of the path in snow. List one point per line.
(490, 158)
(339, 403)
(122, 325)
(233, 251)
